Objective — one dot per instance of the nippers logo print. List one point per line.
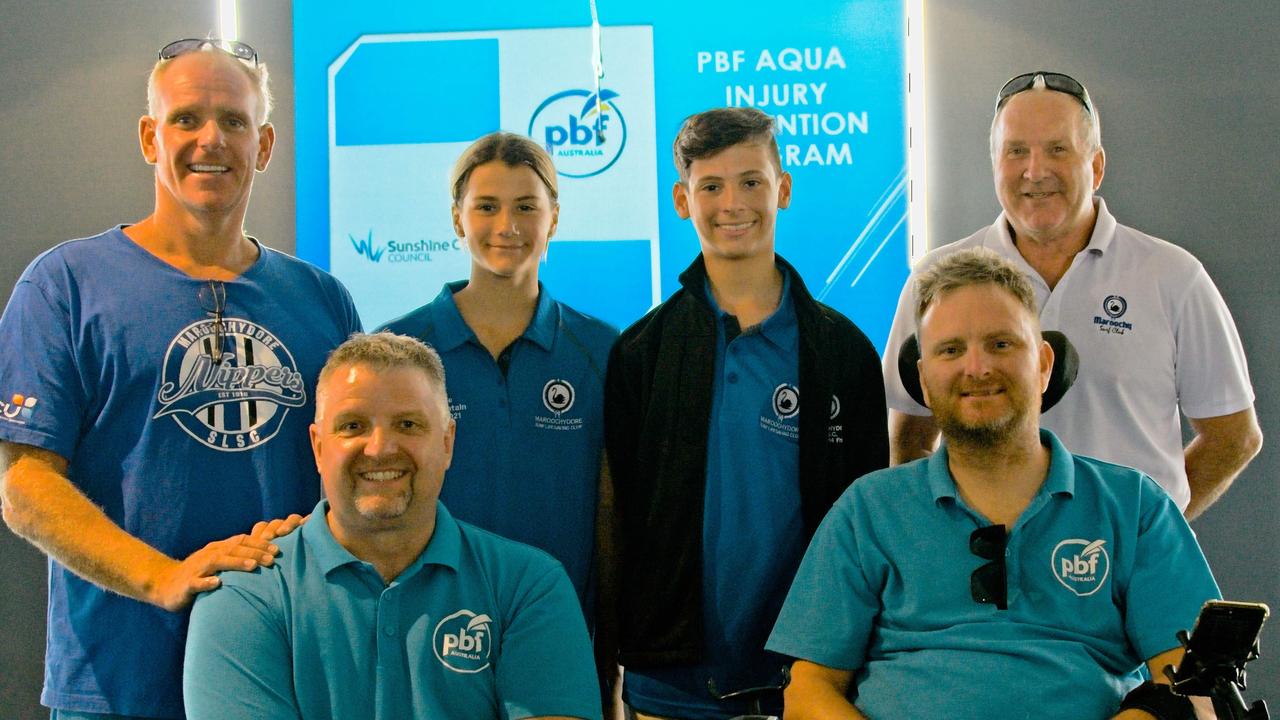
(238, 403)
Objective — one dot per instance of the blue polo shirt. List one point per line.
(752, 532)
(477, 627)
(1102, 573)
(526, 462)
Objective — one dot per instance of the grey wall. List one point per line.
(1187, 93)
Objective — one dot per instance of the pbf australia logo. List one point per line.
(463, 640)
(1082, 566)
(239, 402)
(584, 136)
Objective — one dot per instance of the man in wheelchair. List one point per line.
(1002, 576)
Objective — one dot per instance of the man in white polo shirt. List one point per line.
(1154, 334)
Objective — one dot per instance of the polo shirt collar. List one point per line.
(452, 330)
(1061, 479)
(546, 318)
(444, 548)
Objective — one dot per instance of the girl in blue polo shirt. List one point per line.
(524, 372)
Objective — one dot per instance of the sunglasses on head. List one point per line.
(1052, 80)
(234, 48)
(989, 583)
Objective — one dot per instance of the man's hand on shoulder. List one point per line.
(176, 586)
(272, 529)
(42, 505)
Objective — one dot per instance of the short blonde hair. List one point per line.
(975, 266)
(258, 76)
(386, 351)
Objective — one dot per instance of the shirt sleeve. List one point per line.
(238, 662)
(1212, 376)
(831, 608)
(44, 396)
(1171, 579)
(546, 666)
(904, 326)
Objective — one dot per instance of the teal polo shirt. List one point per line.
(752, 528)
(1103, 571)
(526, 462)
(477, 627)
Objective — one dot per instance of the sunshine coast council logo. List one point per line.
(1082, 566)
(239, 402)
(395, 251)
(463, 640)
(584, 136)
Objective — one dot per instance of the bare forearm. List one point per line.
(817, 692)
(1221, 449)
(43, 507)
(819, 703)
(910, 437)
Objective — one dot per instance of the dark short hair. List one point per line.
(975, 266)
(512, 150)
(707, 133)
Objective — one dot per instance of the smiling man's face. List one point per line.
(983, 365)
(1044, 166)
(382, 439)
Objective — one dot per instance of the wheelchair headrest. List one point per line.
(1066, 363)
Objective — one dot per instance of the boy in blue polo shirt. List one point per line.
(383, 606)
(736, 412)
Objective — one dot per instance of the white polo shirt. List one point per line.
(1153, 333)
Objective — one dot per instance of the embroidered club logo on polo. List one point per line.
(835, 407)
(1082, 566)
(1114, 307)
(558, 396)
(238, 403)
(462, 641)
(786, 401)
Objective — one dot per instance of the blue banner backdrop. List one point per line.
(389, 94)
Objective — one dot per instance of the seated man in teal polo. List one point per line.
(1003, 576)
(383, 605)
